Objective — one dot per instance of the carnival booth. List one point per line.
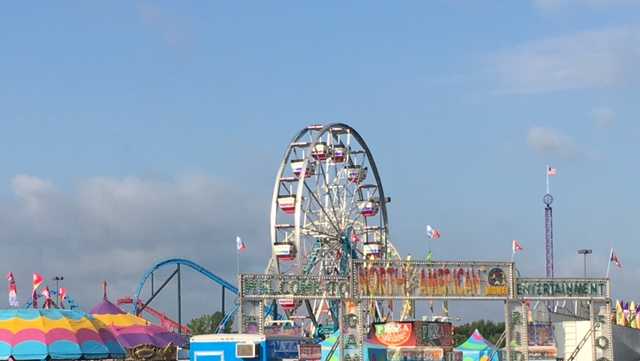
(402, 341)
(54, 334)
(331, 349)
(477, 348)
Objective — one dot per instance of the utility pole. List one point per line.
(585, 252)
(58, 279)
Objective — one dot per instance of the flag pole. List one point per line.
(547, 179)
(609, 263)
(237, 262)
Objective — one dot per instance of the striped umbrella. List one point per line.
(39, 334)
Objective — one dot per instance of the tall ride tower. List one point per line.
(548, 234)
(548, 224)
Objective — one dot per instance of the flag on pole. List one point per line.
(62, 292)
(13, 290)
(432, 232)
(47, 297)
(551, 171)
(240, 244)
(614, 258)
(516, 246)
(37, 280)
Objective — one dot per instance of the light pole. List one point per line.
(58, 279)
(585, 252)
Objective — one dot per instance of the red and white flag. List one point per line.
(432, 232)
(62, 292)
(551, 171)
(240, 246)
(46, 293)
(516, 246)
(614, 258)
(37, 280)
(13, 290)
(47, 297)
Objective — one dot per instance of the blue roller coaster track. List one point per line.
(196, 267)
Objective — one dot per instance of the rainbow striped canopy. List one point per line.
(477, 348)
(38, 334)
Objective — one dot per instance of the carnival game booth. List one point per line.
(477, 348)
(401, 341)
(331, 351)
(415, 340)
(53, 334)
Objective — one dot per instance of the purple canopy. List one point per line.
(106, 308)
(132, 331)
(132, 336)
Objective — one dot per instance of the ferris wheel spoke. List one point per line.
(321, 207)
(315, 227)
(329, 190)
(316, 231)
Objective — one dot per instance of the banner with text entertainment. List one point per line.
(562, 288)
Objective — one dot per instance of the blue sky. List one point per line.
(105, 105)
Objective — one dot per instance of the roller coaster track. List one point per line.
(137, 305)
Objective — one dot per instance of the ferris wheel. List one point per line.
(328, 204)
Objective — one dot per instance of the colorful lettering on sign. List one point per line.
(426, 280)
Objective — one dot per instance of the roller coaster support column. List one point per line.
(223, 313)
(153, 295)
(179, 301)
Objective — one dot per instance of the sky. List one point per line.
(135, 131)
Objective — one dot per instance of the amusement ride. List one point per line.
(328, 208)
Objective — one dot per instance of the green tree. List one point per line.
(489, 329)
(208, 323)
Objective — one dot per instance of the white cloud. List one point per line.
(591, 59)
(547, 141)
(603, 117)
(114, 229)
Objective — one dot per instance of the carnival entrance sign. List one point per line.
(595, 291)
(333, 263)
(369, 283)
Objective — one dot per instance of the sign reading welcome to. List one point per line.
(575, 288)
(261, 286)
